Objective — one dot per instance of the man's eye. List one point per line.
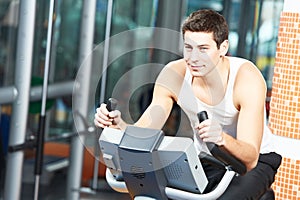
(188, 47)
(203, 49)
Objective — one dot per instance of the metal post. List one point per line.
(106, 49)
(20, 106)
(167, 18)
(103, 82)
(8, 94)
(81, 98)
(41, 131)
(243, 28)
(255, 32)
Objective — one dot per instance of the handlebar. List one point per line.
(184, 171)
(116, 145)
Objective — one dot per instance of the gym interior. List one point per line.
(60, 59)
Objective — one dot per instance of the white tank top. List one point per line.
(224, 112)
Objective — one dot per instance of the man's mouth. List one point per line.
(197, 66)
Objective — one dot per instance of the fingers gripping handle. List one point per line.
(201, 117)
(111, 104)
(205, 157)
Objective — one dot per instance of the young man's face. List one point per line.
(200, 52)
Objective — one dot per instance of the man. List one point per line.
(232, 91)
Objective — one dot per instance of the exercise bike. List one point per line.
(149, 165)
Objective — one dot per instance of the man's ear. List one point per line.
(224, 48)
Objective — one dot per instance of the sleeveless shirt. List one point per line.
(224, 112)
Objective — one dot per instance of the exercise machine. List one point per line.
(149, 165)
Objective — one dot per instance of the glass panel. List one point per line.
(8, 40)
(63, 60)
(66, 31)
(128, 15)
(268, 35)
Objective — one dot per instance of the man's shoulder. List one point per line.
(239, 60)
(242, 65)
(177, 63)
(172, 76)
(249, 74)
(178, 66)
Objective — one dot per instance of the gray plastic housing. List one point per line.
(175, 157)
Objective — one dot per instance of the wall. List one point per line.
(285, 103)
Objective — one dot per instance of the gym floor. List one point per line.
(56, 190)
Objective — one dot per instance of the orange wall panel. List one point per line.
(284, 116)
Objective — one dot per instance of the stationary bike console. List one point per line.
(149, 165)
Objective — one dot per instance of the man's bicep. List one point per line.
(251, 100)
(158, 111)
(251, 122)
(250, 126)
(166, 90)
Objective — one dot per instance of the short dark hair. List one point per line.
(208, 21)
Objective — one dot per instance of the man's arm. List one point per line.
(166, 89)
(249, 98)
(158, 111)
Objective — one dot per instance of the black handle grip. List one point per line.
(39, 155)
(202, 116)
(111, 104)
(231, 161)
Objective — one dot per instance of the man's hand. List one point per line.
(104, 118)
(211, 131)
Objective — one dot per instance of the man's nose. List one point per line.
(194, 56)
